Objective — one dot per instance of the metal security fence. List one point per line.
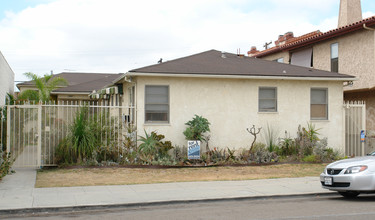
(355, 122)
(35, 130)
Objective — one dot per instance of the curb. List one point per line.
(82, 208)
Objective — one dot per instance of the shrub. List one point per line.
(197, 127)
(179, 154)
(153, 148)
(81, 137)
(270, 137)
(84, 143)
(324, 153)
(64, 154)
(307, 139)
(217, 156)
(261, 154)
(130, 151)
(6, 162)
(287, 146)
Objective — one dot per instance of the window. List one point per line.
(267, 99)
(280, 60)
(335, 57)
(156, 104)
(319, 104)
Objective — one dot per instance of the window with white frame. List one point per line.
(156, 104)
(319, 104)
(267, 99)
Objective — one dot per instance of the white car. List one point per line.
(350, 177)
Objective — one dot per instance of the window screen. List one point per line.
(267, 99)
(157, 104)
(319, 104)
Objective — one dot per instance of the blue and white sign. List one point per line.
(363, 136)
(194, 150)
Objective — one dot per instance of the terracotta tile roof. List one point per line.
(216, 64)
(288, 41)
(313, 37)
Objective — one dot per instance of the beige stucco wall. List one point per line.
(275, 56)
(6, 79)
(231, 106)
(356, 57)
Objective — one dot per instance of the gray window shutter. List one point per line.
(302, 58)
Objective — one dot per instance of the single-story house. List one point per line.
(80, 86)
(235, 92)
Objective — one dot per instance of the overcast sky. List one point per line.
(114, 36)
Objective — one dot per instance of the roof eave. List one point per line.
(344, 79)
(70, 93)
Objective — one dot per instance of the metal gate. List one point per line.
(34, 131)
(355, 122)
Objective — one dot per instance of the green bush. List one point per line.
(287, 146)
(130, 150)
(153, 148)
(82, 138)
(270, 137)
(196, 128)
(179, 154)
(64, 154)
(6, 162)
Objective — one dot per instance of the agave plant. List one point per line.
(149, 144)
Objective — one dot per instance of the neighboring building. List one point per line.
(6, 79)
(80, 86)
(349, 49)
(234, 92)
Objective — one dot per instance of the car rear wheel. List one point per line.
(349, 194)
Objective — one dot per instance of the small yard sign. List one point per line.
(194, 150)
(363, 136)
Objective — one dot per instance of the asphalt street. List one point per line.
(294, 207)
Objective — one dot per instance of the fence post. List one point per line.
(363, 126)
(8, 129)
(39, 149)
(344, 126)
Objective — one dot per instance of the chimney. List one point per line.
(252, 51)
(350, 12)
(283, 39)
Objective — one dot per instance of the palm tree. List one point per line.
(44, 84)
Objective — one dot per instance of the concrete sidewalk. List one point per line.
(17, 192)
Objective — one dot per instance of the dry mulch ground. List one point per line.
(124, 176)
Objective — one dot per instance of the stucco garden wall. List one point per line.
(231, 106)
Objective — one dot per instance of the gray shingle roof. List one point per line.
(212, 63)
(82, 82)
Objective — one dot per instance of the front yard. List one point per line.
(124, 176)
